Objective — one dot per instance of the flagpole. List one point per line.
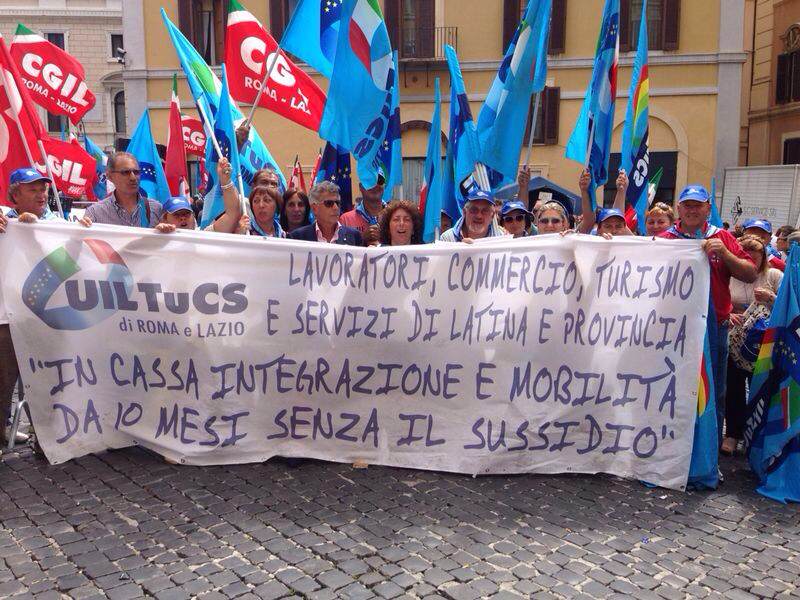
(210, 132)
(589, 147)
(267, 75)
(52, 179)
(533, 127)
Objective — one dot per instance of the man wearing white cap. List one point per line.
(477, 222)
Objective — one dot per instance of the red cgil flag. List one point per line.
(289, 91)
(55, 79)
(72, 167)
(175, 163)
(20, 126)
(194, 136)
(297, 181)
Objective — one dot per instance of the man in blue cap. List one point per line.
(727, 259)
(477, 220)
(27, 192)
(516, 219)
(762, 229)
(611, 223)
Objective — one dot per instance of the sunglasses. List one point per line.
(550, 221)
(129, 172)
(331, 203)
(512, 218)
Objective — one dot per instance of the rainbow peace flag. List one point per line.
(635, 157)
(705, 384)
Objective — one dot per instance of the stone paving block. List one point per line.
(236, 531)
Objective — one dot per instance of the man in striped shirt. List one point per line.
(125, 205)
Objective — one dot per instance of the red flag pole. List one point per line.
(267, 75)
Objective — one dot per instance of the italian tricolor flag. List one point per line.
(175, 164)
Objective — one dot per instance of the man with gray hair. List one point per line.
(326, 204)
(125, 205)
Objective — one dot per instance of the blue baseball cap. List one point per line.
(512, 205)
(694, 192)
(176, 203)
(762, 224)
(26, 175)
(476, 195)
(607, 213)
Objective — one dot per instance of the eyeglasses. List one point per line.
(477, 210)
(129, 172)
(550, 221)
(512, 218)
(331, 203)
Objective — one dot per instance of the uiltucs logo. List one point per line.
(97, 283)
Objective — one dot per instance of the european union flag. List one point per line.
(313, 32)
(224, 131)
(590, 142)
(153, 182)
(335, 167)
(773, 427)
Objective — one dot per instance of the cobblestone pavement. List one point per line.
(125, 524)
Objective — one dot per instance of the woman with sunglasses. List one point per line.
(552, 218)
(516, 219)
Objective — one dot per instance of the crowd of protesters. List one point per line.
(746, 264)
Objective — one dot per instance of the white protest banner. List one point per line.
(543, 355)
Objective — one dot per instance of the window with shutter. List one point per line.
(630, 15)
(552, 104)
(203, 24)
(511, 12)
(280, 11)
(783, 78)
(791, 151)
(795, 78)
(558, 28)
(417, 30)
(671, 24)
(391, 16)
(546, 129)
(625, 25)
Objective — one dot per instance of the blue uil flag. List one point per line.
(153, 182)
(225, 132)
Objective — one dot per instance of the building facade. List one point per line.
(696, 61)
(91, 31)
(771, 93)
